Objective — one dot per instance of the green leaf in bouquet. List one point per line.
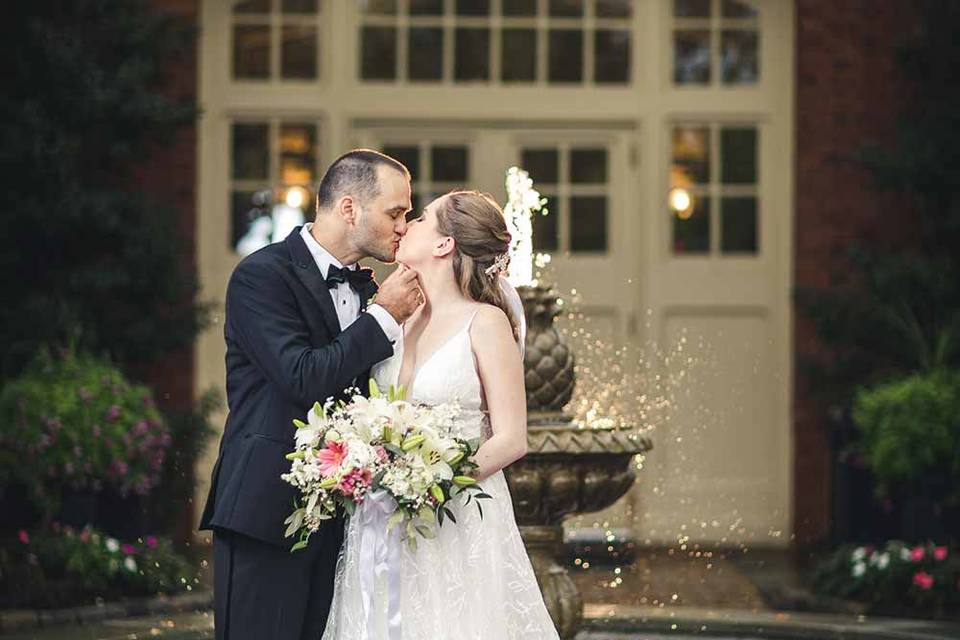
(425, 531)
(374, 389)
(450, 515)
(394, 449)
(437, 492)
(484, 495)
(480, 509)
(318, 410)
(474, 444)
(300, 424)
(464, 481)
(426, 514)
(301, 544)
(294, 455)
(412, 442)
(294, 520)
(440, 515)
(377, 479)
(350, 507)
(395, 518)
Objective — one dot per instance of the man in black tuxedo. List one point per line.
(298, 330)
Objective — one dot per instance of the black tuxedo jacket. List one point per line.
(285, 351)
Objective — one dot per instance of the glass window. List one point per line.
(279, 39)
(273, 180)
(716, 42)
(714, 189)
(507, 42)
(575, 181)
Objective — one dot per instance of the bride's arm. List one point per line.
(501, 373)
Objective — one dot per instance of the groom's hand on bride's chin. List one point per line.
(400, 294)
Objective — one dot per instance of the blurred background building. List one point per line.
(692, 152)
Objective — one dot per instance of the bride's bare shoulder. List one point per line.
(489, 319)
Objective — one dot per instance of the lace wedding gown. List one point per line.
(473, 581)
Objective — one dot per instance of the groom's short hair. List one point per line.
(355, 173)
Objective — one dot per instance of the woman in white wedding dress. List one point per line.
(474, 581)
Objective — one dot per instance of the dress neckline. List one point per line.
(416, 374)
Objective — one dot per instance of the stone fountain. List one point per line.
(568, 468)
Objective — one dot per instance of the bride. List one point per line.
(474, 580)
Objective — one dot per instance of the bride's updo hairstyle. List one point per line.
(476, 223)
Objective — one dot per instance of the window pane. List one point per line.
(519, 7)
(519, 57)
(252, 6)
(612, 56)
(298, 56)
(426, 7)
(251, 51)
(738, 155)
(588, 223)
(691, 57)
(449, 164)
(251, 159)
(546, 230)
(472, 55)
(691, 8)
(409, 156)
(691, 228)
(739, 226)
(426, 53)
(379, 7)
(379, 53)
(297, 153)
(691, 156)
(738, 9)
(588, 166)
(245, 207)
(299, 6)
(614, 8)
(566, 8)
(542, 165)
(738, 56)
(473, 7)
(566, 55)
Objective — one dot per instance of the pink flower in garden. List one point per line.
(84, 394)
(96, 431)
(113, 413)
(923, 580)
(128, 549)
(85, 536)
(331, 457)
(939, 553)
(141, 428)
(151, 542)
(23, 536)
(917, 554)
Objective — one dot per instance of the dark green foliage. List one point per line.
(61, 567)
(910, 430)
(74, 423)
(899, 312)
(90, 260)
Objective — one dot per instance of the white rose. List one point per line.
(859, 554)
(129, 564)
(883, 560)
(859, 569)
(112, 545)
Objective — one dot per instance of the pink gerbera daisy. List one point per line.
(331, 457)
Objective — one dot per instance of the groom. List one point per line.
(298, 330)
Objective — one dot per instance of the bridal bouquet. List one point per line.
(383, 446)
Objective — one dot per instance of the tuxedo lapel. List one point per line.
(309, 274)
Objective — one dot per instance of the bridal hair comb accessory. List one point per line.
(499, 265)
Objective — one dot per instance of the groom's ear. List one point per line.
(444, 246)
(347, 210)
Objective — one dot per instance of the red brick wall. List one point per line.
(169, 175)
(849, 91)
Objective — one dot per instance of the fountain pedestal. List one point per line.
(568, 468)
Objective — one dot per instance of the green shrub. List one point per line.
(60, 566)
(74, 422)
(911, 430)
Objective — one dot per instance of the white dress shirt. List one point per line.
(345, 299)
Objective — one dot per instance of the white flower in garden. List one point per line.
(130, 564)
(859, 569)
(883, 560)
(904, 553)
(859, 554)
(112, 545)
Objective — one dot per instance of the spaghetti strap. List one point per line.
(470, 320)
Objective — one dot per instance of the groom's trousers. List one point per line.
(262, 591)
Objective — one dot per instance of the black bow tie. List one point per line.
(360, 280)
